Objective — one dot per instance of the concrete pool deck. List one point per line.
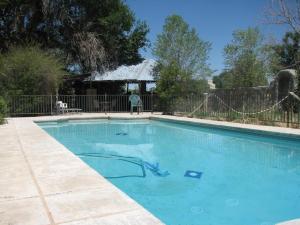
(42, 182)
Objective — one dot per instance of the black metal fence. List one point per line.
(251, 106)
(31, 105)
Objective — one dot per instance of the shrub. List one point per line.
(29, 71)
(3, 109)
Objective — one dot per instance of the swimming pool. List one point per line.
(191, 175)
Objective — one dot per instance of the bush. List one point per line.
(29, 71)
(3, 109)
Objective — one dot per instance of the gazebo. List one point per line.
(111, 81)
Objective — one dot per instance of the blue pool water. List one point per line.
(189, 175)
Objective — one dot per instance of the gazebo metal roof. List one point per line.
(134, 73)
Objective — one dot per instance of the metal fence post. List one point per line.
(51, 111)
(288, 113)
(152, 102)
(56, 100)
(206, 102)
(105, 103)
(243, 112)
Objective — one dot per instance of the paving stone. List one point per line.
(28, 211)
(136, 217)
(17, 187)
(91, 203)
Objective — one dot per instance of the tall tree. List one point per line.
(90, 33)
(244, 58)
(182, 59)
(180, 44)
(285, 54)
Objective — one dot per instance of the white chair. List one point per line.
(61, 107)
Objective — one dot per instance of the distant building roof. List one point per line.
(139, 72)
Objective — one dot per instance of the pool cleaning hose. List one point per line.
(153, 168)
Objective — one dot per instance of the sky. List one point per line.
(214, 20)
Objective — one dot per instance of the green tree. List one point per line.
(180, 44)
(244, 58)
(175, 83)
(29, 71)
(182, 60)
(285, 54)
(224, 80)
(90, 33)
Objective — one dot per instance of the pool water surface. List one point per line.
(191, 175)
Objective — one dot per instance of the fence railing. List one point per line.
(259, 108)
(27, 105)
(256, 108)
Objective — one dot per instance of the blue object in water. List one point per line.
(154, 168)
(121, 133)
(193, 174)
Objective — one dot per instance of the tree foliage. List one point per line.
(29, 71)
(182, 60)
(285, 54)
(180, 44)
(175, 82)
(90, 33)
(244, 59)
(223, 80)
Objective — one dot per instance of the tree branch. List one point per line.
(284, 12)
